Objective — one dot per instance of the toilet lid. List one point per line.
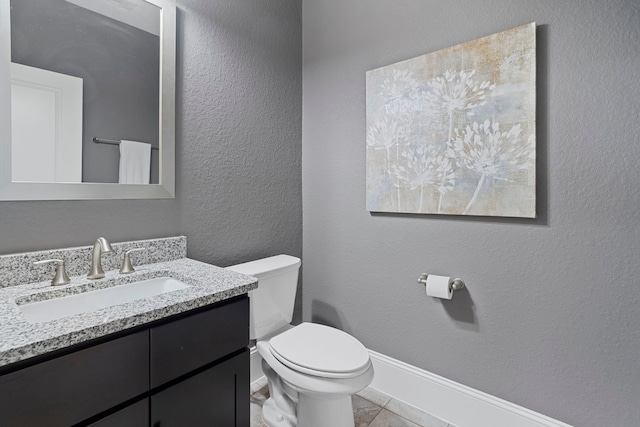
(320, 350)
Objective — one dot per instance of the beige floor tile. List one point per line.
(364, 411)
(367, 411)
(256, 415)
(375, 396)
(389, 419)
(414, 414)
(260, 396)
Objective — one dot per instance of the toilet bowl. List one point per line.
(312, 370)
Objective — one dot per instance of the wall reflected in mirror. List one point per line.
(82, 69)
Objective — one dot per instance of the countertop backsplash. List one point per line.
(17, 269)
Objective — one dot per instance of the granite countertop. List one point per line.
(20, 340)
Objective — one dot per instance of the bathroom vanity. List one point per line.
(175, 359)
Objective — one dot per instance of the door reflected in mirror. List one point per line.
(84, 70)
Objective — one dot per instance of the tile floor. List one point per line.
(371, 408)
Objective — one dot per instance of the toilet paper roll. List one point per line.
(438, 286)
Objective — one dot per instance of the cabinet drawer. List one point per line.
(135, 415)
(191, 342)
(76, 386)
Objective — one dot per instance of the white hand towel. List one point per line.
(135, 162)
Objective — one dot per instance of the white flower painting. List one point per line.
(453, 132)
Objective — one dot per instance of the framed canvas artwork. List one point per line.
(453, 131)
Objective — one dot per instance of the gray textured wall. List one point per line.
(240, 129)
(118, 65)
(550, 319)
(240, 132)
(238, 146)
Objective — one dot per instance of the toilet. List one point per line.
(312, 370)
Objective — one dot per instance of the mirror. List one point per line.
(77, 77)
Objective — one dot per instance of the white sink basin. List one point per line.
(57, 308)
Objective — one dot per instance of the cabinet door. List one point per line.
(74, 387)
(135, 415)
(190, 343)
(218, 396)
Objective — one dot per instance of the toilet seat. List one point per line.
(321, 351)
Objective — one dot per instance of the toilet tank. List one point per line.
(271, 304)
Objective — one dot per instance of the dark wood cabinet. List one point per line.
(214, 397)
(181, 347)
(188, 370)
(71, 388)
(134, 415)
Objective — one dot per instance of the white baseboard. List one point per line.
(256, 373)
(452, 402)
(455, 403)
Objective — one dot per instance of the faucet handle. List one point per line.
(127, 267)
(60, 277)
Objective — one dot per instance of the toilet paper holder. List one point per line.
(454, 284)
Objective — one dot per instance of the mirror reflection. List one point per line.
(85, 75)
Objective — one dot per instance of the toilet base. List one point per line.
(319, 412)
(312, 412)
(279, 410)
(312, 401)
(274, 417)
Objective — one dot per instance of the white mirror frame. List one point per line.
(85, 191)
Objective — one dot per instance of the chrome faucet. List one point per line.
(101, 246)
